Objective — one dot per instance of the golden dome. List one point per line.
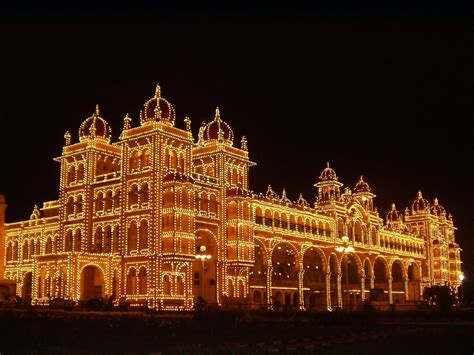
(218, 130)
(420, 204)
(328, 173)
(158, 109)
(95, 127)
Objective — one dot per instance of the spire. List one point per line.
(361, 179)
(436, 201)
(243, 143)
(157, 91)
(126, 122)
(217, 117)
(420, 195)
(97, 111)
(92, 130)
(327, 164)
(67, 137)
(187, 121)
(394, 208)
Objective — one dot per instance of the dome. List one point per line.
(158, 109)
(95, 127)
(437, 209)
(394, 215)
(361, 186)
(218, 130)
(328, 173)
(420, 204)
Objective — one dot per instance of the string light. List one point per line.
(131, 213)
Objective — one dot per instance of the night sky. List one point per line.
(373, 92)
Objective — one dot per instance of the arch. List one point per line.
(328, 232)
(92, 285)
(77, 240)
(27, 287)
(108, 239)
(48, 248)
(179, 286)
(9, 251)
(108, 201)
(115, 241)
(79, 204)
(414, 281)
(398, 281)
(350, 279)
(213, 205)
(259, 269)
(285, 264)
(144, 193)
(133, 195)
(99, 202)
(145, 158)
(206, 270)
(268, 220)
(135, 160)
(374, 235)
(25, 250)
(69, 241)
(132, 237)
(340, 228)
(368, 273)
(258, 215)
(166, 285)
(71, 175)
(80, 173)
(32, 247)
(314, 278)
(143, 235)
(98, 240)
(142, 281)
(132, 281)
(70, 206)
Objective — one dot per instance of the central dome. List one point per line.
(158, 109)
(218, 130)
(361, 186)
(420, 204)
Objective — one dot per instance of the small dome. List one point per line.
(394, 215)
(437, 209)
(361, 186)
(95, 127)
(328, 173)
(218, 130)
(420, 204)
(158, 109)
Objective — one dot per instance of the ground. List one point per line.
(59, 332)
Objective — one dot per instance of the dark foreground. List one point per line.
(58, 332)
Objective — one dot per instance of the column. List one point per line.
(339, 290)
(362, 288)
(328, 291)
(390, 296)
(372, 282)
(269, 286)
(300, 288)
(406, 290)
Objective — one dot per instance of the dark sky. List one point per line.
(379, 92)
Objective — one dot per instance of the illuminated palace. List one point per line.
(159, 219)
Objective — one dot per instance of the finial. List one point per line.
(436, 201)
(187, 121)
(67, 137)
(243, 143)
(126, 122)
(361, 178)
(157, 91)
(283, 194)
(97, 111)
(327, 164)
(393, 206)
(420, 195)
(218, 115)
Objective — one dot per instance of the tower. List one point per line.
(3, 207)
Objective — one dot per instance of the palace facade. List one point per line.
(158, 219)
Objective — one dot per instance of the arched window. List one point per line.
(144, 193)
(117, 199)
(166, 285)
(180, 286)
(174, 159)
(167, 158)
(132, 237)
(204, 203)
(142, 281)
(213, 204)
(358, 232)
(374, 236)
(328, 230)
(77, 240)
(135, 160)
(69, 241)
(181, 163)
(108, 239)
(9, 252)
(32, 247)
(71, 175)
(25, 250)
(108, 201)
(143, 237)
(80, 173)
(133, 195)
(38, 247)
(116, 239)
(99, 202)
(145, 158)
(98, 240)
(132, 282)
(79, 204)
(48, 248)
(234, 176)
(70, 206)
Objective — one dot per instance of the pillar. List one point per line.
(362, 288)
(339, 290)
(390, 296)
(328, 291)
(300, 288)
(406, 290)
(269, 286)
